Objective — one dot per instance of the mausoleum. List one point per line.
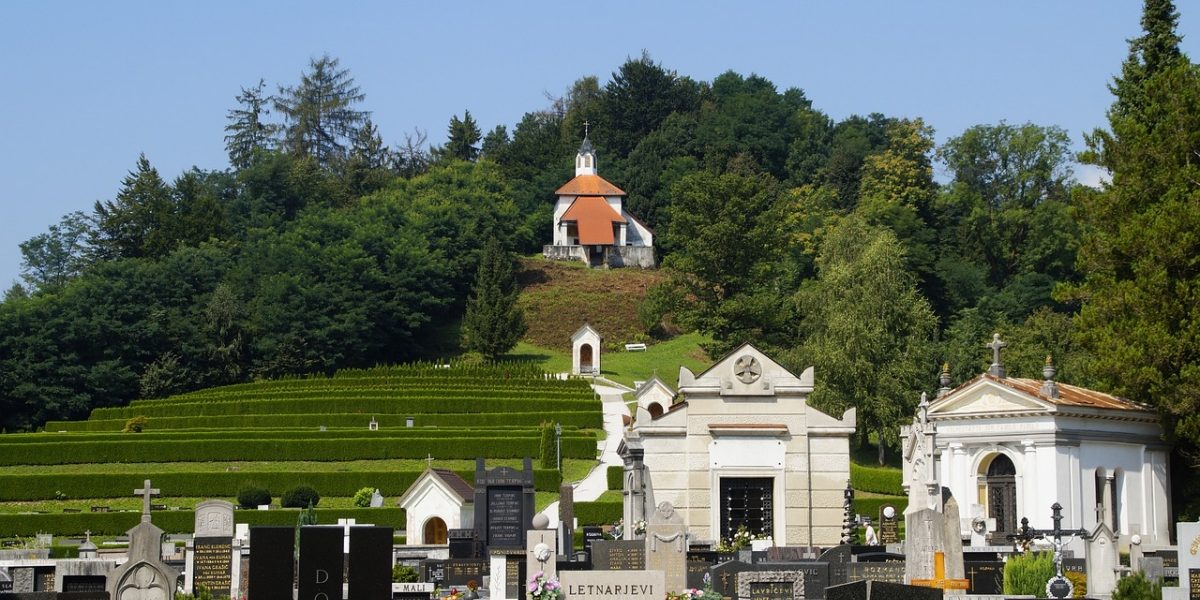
(591, 224)
(739, 446)
(1010, 447)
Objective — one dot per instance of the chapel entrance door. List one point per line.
(435, 531)
(585, 358)
(1002, 496)
(747, 502)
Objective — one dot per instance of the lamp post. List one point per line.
(558, 444)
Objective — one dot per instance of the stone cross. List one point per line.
(429, 459)
(146, 493)
(997, 368)
(940, 581)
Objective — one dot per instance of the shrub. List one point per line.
(404, 574)
(300, 496)
(362, 498)
(616, 477)
(1027, 574)
(879, 480)
(600, 512)
(1137, 587)
(251, 496)
(135, 424)
(1079, 580)
(549, 459)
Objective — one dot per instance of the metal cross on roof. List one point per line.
(146, 493)
(585, 128)
(997, 368)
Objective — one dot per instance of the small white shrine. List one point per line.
(438, 501)
(1010, 447)
(585, 351)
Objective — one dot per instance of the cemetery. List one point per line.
(731, 486)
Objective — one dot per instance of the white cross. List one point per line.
(146, 493)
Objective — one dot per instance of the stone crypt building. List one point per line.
(591, 224)
(739, 445)
(1010, 447)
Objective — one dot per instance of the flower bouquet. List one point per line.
(544, 588)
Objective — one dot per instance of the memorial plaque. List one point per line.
(321, 562)
(598, 585)
(889, 525)
(773, 590)
(504, 501)
(212, 565)
(94, 584)
(1152, 567)
(272, 569)
(514, 580)
(1194, 584)
(433, 571)
(890, 572)
(619, 555)
(460, 571)
(1059, 587)
(410, 591)
(698, 564)
(985, 578)
(504, 518)
(370, 564)
(462, 543)
(771, 585)
(724, 578)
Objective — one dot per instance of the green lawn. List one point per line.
(623, 367)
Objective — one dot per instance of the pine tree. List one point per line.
(464, 137)
(140, 221)
(493, 322)
(319, 112)
(1149, 54)
(248, 133)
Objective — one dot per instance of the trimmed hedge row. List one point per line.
(591, 419)
(388, 392)
(601, 512)
(879, 480)
(869, 507)
(366, 406)
(616, 477)
(135, 451)
(239, 435)
(180, 521)
(39, 486)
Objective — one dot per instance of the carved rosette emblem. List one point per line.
(747, 369)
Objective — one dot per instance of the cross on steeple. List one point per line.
(146, 493)
(997, 368)
(585, 128)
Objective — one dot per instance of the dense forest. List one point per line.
(826, 242)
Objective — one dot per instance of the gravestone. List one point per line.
(144, 576)
(1102, 560)
(566, 516)
(433, 570)
(923, 537)
(891, 572)
(952, 548)
(1152, 567)
(460, 571)
(369, 573)
(985, 577)
(881, 590)
(410, 591)
(619, 555)
(376, 499)
(789, 554)
(666, 546)
(210, 554)
(698, 564)
(591, 534)
(598, 585)
(319, 573)
(462, 543)
(838, 559)
(272, 566)
(541, 552)
(504, 504)
(889, 525)
(724, 578)
(1188, 537)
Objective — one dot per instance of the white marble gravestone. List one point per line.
(1188, 536)
(666, 546)
(144, 576)
(213, 554)
(541, 552)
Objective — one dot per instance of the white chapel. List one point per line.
(591, 224)
(739, 445)
(1009, 447)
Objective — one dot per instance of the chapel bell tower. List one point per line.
(585, 159)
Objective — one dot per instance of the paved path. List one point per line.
(596, 482)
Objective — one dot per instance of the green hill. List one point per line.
(298, 431)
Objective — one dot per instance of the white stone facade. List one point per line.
(745, 418)
(586, 345)
(428, 498)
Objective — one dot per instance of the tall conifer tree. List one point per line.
(493, 323)
(320, 114)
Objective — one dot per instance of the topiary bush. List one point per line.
(251, 497)
(300, 496)
(362, 498)
(1027, 574)
(135, 424)
(548, 455)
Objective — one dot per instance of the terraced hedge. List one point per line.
(165, 450)
(600, 512)
(376, 404)
(37, 486)
(181, 521)
(879, 480)
(238, 435)
(592, 419)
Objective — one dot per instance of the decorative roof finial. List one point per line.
(997, 368)
(1049, 387)
(944, 380)
(923, 408)
(585, 128)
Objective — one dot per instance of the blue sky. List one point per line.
(91, 85)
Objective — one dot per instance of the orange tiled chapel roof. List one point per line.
(589, 185)
(594, 218)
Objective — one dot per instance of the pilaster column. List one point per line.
(1030, 480)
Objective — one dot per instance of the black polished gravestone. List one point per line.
(272, 566)
(815, 576)
(725, 580)
(319, 574)
(837, 557)
(591, 534)
(881, 590)
(504, 504)
(697, 566)
(369, 573)
(985, 577)
(461, 570)
(433, 571)
(462, 543)
(888, 572)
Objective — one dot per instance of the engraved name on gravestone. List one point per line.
(619, 555)
(771, 585)
(598, 585)
(210, 562)
(1188, 537)
(504, 499)
(889, 525)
